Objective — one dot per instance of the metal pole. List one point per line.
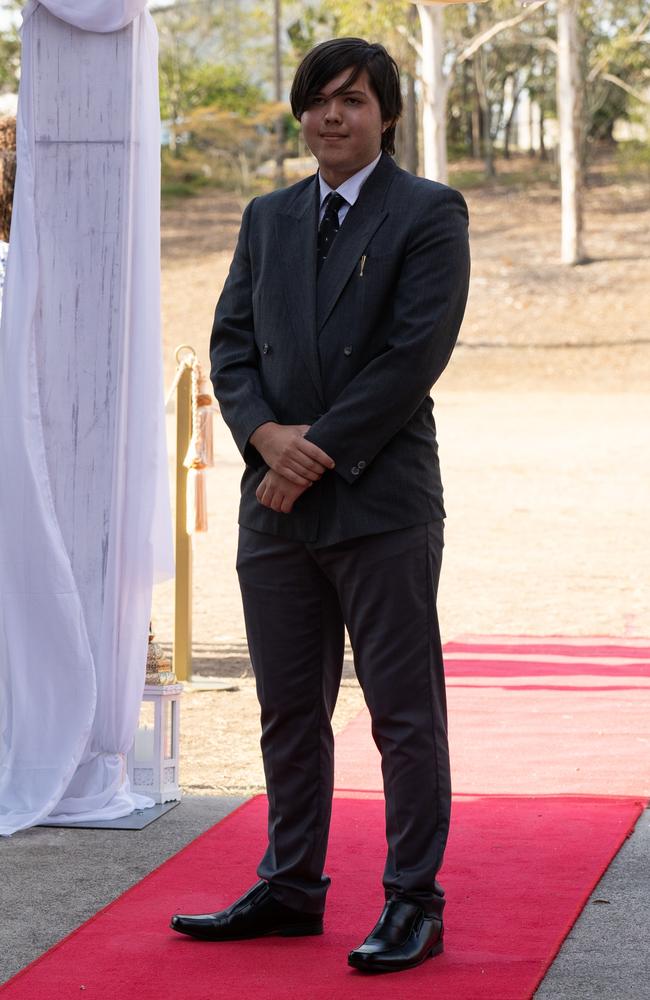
(182, 656)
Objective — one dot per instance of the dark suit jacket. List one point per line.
(354, 354)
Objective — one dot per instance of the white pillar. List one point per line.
(434, 93)
(85, 516)
(82, 107)
(570, 104)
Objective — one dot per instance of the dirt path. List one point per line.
(544, 427)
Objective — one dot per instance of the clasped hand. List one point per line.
(294, 464)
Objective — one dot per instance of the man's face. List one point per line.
(344, 130)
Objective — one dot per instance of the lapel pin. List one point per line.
(363, 264)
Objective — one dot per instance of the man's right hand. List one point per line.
(285, 450)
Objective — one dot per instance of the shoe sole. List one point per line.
(300, 932)
(291, 931)
(378, 966)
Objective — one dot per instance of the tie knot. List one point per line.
(335, 201)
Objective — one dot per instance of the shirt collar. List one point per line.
(350, 188)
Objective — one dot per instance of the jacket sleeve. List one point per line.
(233, 352)
(427, 303)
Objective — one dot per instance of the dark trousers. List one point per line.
(297, 600)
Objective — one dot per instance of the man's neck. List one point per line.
(334, 180)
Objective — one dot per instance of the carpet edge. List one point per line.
(113, 902)
(641, 805)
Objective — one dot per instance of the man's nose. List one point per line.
(332, 111)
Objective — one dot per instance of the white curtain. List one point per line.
(92, 15)
(85, 525)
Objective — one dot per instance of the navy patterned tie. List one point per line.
(328, 228)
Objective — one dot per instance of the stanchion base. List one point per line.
(137, 820)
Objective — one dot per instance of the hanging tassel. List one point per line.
(200, 454)
(205, 436)
(197, 501)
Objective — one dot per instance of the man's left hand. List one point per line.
(278, 493)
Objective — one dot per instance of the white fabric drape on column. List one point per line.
(4, 251)
(92, 15)
(85, 526)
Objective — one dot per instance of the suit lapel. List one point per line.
(296, 230)
(360, 224)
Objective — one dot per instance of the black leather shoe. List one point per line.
(255, 914)
(403, 937)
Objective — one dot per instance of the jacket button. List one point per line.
(266, 348)
(355, 470)
(347, 351)
(361, 465)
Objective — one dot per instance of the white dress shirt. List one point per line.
(348, 189)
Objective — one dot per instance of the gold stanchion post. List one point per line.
(182, 656)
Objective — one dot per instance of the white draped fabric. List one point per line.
(4, 252)
(85, 526)
(93, 15)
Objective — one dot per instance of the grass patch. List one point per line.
(633, 158)
(518, 172)
(179, 189)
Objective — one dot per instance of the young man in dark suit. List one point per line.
(341, 309)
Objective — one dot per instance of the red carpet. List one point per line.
(515, 888)
(535, 716)
(539, 812)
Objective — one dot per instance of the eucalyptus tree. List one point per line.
(617, 51)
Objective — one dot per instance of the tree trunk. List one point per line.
(434, 93)
(570, 104)
(410, 126)
(467, 115)
(517, 89)
(410, 117)
(543, 155)
(476, 120)
(277, 72)
(486, 117)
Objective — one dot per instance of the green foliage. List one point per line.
(222, 148)
(607, 104)
(386, 21)
(185, 86)
(217, 71)
(374, 21)
(524, 56)
(9, 50)
(209, 100)
(633, 159)
(614, 47)
(183, 177)
(308, 30)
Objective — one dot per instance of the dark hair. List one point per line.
(330, 58)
